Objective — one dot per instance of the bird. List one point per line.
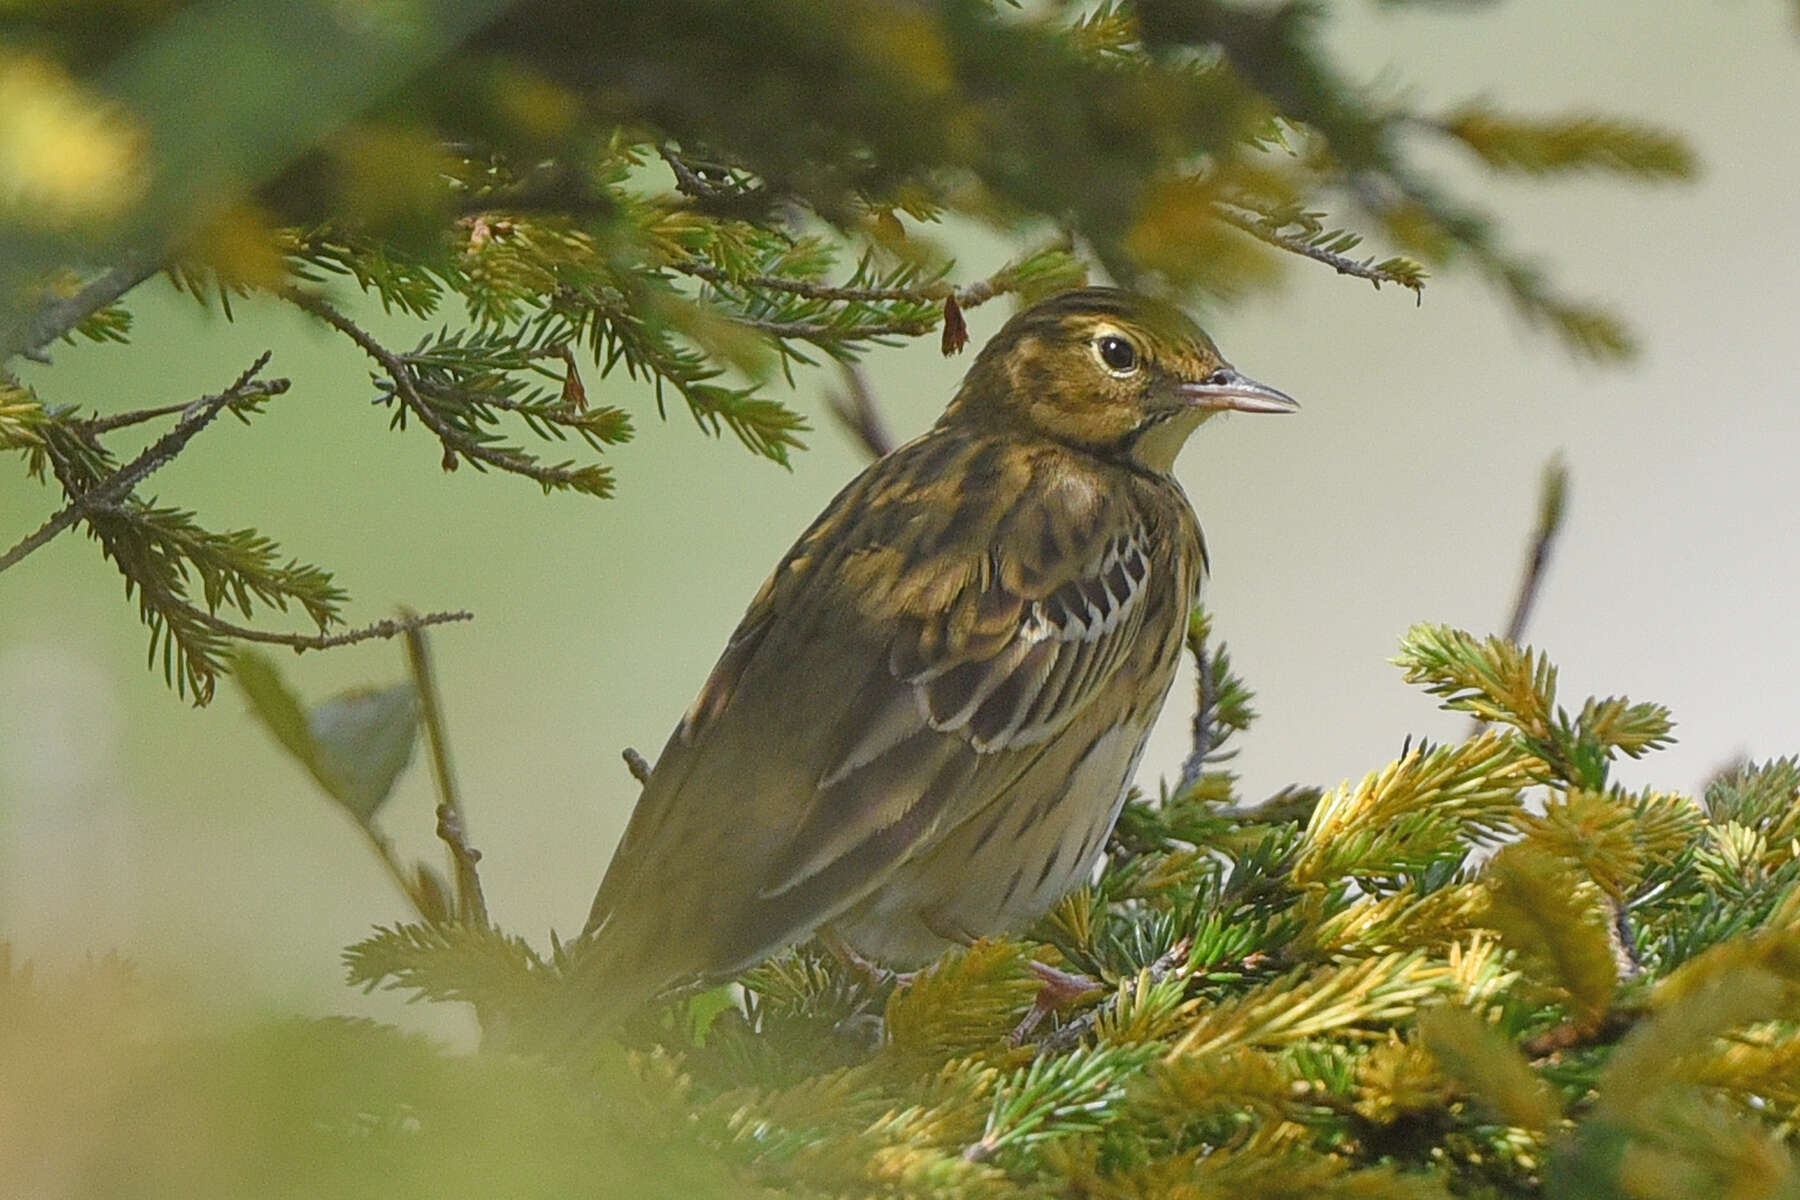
(926, 724)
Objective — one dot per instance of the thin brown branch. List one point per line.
(97, 425)
(1204, 711)
(300, 642)
(471, 905)
(856, 410)
(36, 539)
(822, 332)
(196, 416)
(1553, 495)
(743, 202)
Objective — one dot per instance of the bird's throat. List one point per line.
(1156, 445)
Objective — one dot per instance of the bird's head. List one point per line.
(1110, 372)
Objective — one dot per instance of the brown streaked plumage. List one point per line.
(925, 724)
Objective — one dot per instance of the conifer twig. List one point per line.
(806, 288)
(825, 331)
(1343, 264)
(971, 296)
(695, 186)
(394, 366)
(196, 415)
(106, 424)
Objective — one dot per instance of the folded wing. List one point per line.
(913, 653)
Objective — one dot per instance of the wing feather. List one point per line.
(910, 656)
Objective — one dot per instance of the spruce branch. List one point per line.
(1320, 245)
(971, 295)
(459, 443)
(1306, 1004)
(472, 964)
(86, 498)
(832, 333)
(157, 549)
(1431, 804)
(811, 289)
(1173, 966)
(1080, 1092)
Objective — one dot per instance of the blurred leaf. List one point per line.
(354, 745)
(365, 739)
(276, 707)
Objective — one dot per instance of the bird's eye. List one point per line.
(1118, 354)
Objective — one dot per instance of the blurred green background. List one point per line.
(1403, 492)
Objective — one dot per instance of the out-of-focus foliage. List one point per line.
(1481, 970)
(106, 1090)
(700, 196)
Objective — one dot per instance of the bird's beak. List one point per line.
(1225, 388)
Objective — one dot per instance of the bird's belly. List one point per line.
(1005, 867)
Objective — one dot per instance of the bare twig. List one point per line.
(471, 905)
(115, 487)
(1553, 495)
(855, 409)
(34, 540)
(822, 332)
(299, 642)
(1207, 686)
(451, 827)
(256, 390)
